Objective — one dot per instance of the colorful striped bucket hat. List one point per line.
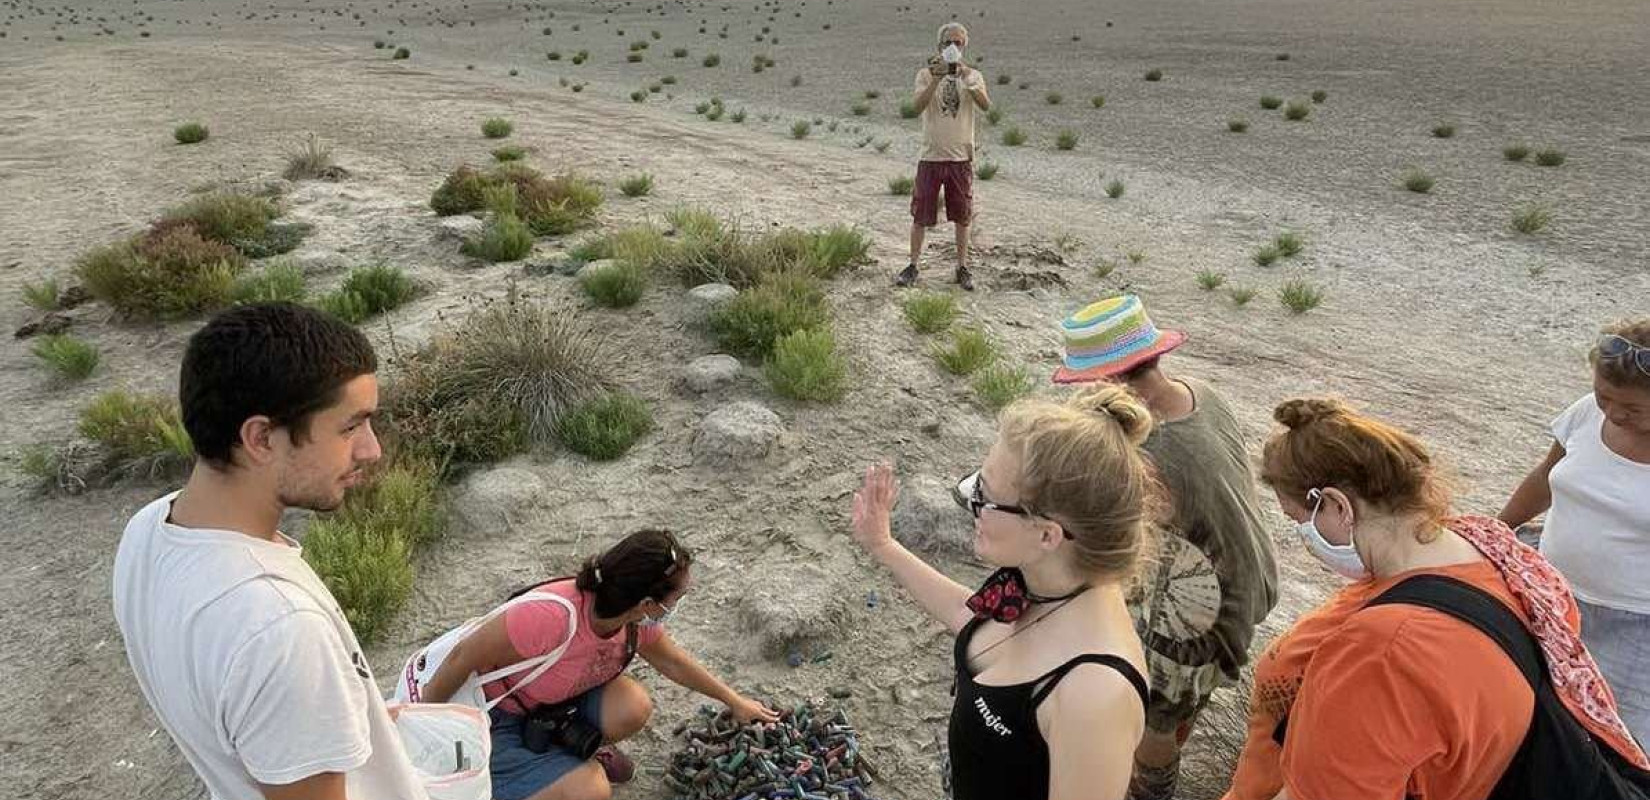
(1111, 337)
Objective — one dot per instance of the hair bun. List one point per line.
(1305, 410)
(1112, 400)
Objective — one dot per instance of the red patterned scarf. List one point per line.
(1549, 605)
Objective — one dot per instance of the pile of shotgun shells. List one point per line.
(811, 753)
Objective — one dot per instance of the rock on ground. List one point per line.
(927, 518)
(497, 499)
(595, 266)
(791, 606)
(461, 227)
(709, 373)
(710, 295)
(737, 432)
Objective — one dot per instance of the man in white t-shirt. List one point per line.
(239, 648)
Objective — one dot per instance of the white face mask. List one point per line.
(952, 54)
(1342, 559)
(670, 611)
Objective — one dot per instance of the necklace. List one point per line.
(1063, 602)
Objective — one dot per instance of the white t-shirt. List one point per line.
(1598, 531)
(248, 662)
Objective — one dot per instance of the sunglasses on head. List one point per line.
(1616, 348)
(970, 494)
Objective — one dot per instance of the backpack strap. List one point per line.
(538, 664)
(1477, 608)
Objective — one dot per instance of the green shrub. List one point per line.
(381, 287)
(637, 185)
(713, 60)
(1319, 96)
(1515, 152)
(1210, 280)
(836, 248)
(238, 220)
(310, 159)
(1418, 181)
(908, 109)
(605, 427)
(1443, 131)
(276, 283)
(347, 306)
(779, 304)
(638, 96)
(460, 193)
(969, 352)
(505, 238)
(618, 285)
(1266, 256)
(1013, 136)
(1549, 157)
(998, 385)
(1289, 244)
(1241, 295)
(1297, 110)
(401, 495)
(1115, 189)
(138, 433)
(1004, 79)
(805, 366)
(901, 185)
(1098, 101)
(986, 170)
(165, 274)
(1531, 219)
(1054, 98)
(930, 312)
(680, 52)
(1104, 268)
(872, 94)
(800, 128)
(402, 54)
(1154, 75)
(510, 152)
(43, 296)
(496, 127)
(1300, 296)
(1237, 125)
(634, 58)
(994, 115)
(368, 571)
(692, 221)
(1065, 140)
(1271, 102)
(190, 133)
(68, 357)
(860, 109)
(553, 55)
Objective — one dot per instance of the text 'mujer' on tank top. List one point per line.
(997, 750)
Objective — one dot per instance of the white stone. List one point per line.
(928, 518)
(595, 266)
(498, 499)
(711, 295)
(709, 373)
(462, 226)
(736, 434)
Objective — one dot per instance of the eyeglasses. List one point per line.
(957, 42)
(970, 494)
(1616, 347)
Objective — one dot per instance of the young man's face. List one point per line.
(315, 474)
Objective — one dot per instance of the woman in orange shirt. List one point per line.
(1397, 700)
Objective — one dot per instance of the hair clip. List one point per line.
(598, 575)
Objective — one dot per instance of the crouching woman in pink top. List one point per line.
(544, 731)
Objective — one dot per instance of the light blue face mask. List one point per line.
(1342, 559)
(670, 611)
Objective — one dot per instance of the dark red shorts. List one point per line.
(957, 177)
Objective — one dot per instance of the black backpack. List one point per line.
(1559, 758)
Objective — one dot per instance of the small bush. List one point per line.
(901, 186)
(1241, 295)
(1136, 257)
(1297, 110)
(638, 185)
(1065, 140)
(346, 306)
(970, 351)
(800, 129)
(1054, 98)
(908, 109)
(165, 274)
(737, 117)
(43, 296)
(713, 60)
(680, 52)
(311, 159)
(872, 94)
(1271, 102)
(1300, 296)
(138, 433)
(882, 146)
(860, 109)
(668, 80)
(994, 115)
(986, 170)
(1282, 57)
(276, 283)
(1210, 280)
(605, 427)
(1319, 96)
(1013, 136)
(1154, 75)
(238, 220)
(1443, 131)
(1549, 157)
(1098, 101)
(930, 312)
(1515, 152)
(190, 133)
(1115, 189)
(836, 248)
(69, 358)
(805, 366)
(1289, 244)
(461, 193)
(998, 385)
(1531, 219)
(402, 54)
(381, 287)
(694, 222)
(505, 238)
(714, 113)
(778, 305)
(1104, 268)
(369, 572)
(1418, 181)
(1266, 256)
(634, 58)
(509, 152)
(1237, 125)
(1004, 79)
(401, 494)
(638, 96)
(618, 285)
(496, 127)
(553, 55)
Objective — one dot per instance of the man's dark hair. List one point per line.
(278, 360)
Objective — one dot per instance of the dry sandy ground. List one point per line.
(1437, 315)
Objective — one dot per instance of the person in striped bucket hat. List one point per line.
(1215, 578)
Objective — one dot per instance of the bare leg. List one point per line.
(917, 233)
(1156, 766)
(626, 709)
(588, 782)
(962, 245)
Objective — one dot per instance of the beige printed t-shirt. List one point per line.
(948, 121)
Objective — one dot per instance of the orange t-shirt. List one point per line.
(1388, 702)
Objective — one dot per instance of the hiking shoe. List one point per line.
(965, 279)
(907, 276)
(617, 765)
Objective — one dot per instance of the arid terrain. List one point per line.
(1436, 313)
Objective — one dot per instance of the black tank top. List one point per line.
(997, 750)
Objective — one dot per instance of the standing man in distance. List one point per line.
(948, 92)
(239, 648)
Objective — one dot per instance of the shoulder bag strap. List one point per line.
(538, 664)
(1477, 608)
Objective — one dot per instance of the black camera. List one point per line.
(560, 726)
(951, 68)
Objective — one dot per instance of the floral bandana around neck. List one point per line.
(1004, 597)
